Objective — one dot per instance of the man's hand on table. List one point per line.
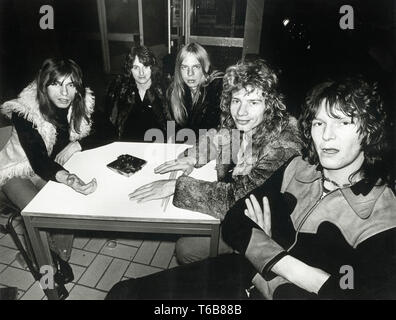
(185, 164)
(74, 182)
(152, 191)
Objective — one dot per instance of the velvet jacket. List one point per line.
(352, 228)
(120, 103)
(216, 198)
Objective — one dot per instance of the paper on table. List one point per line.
(111, 200)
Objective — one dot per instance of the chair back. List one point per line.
(5, 130)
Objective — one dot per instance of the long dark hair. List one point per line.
(361, 100)
(51, 70)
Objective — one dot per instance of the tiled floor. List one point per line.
(97, 266)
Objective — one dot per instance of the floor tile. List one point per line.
(95, 244)
(7, 255)
(136, 270)
(120, 251)
(7, 241)
(69, 286)
(131, 242)
(83, 293)
(35, 292)
(95, 271)
(113, 274)
(19, 228)
(173, 263)
(80, 242)
(2, 267)
(3, 219)
(78, 271)
(19, 262)
(81, 257)
(146, 251)
(20, 294)
(13, 277)
(163, 255)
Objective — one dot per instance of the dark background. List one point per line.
(369, 48)
(313, 47)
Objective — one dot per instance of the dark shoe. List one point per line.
(64, 273)
(62, 292)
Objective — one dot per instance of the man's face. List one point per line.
(62, 92)
(247, 108)
(337, 141)
(191, 71)
(140, 72)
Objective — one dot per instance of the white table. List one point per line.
(57, 206)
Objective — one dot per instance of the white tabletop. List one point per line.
(110, 201)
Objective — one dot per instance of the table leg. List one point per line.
(39, 242)
(214, 240)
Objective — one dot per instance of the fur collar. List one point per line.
(26, 104)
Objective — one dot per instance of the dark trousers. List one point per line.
(223, 277)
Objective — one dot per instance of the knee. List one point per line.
(182, 250)
(191, 249)
(115, 293)
(123, 290)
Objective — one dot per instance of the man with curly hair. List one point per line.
(326, 228)
(255, 138)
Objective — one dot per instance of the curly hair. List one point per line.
(51, 70)
(358, 99)
(176, 90)
(251, 75)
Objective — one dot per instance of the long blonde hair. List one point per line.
(176, 90)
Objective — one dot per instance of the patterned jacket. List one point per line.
(216, 198)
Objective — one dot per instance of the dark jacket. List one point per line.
(352, 227)
(216, 198)
(122, 102)
(205, 114)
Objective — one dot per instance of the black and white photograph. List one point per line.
(204, 155)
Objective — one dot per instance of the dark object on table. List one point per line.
(127, 165)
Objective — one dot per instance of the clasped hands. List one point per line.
(74, 182)
(163, 188)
